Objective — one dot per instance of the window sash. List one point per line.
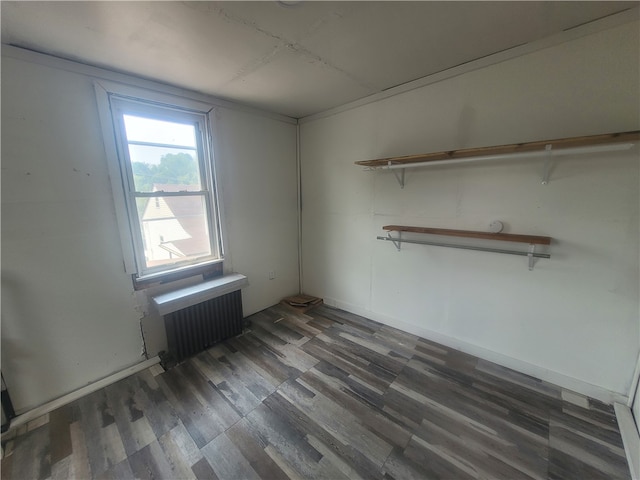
(191, 260)
(199, 120)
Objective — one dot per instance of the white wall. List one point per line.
(574, 319)
(69, 312)
(259, 190)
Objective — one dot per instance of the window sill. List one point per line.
(208, 270)
(185, 297)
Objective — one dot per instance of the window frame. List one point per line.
(114, 100)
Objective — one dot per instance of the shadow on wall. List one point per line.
(413, 142)
(22, 329)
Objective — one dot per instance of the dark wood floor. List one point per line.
(328, 395)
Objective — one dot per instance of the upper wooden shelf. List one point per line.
(539, 146)
(505, 237)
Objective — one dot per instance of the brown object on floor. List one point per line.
(302, 303)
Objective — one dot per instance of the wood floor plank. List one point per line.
(375, 420)
(341, 469)
(304, 425)
(120, 471)
(274, 430)
(79, 466)
(150, 463)
(446, 389)
(517, 378)
(243, 372)
(287, 353)
(273, 422)
(399, 467)
(183, 443)
(345, 318)
(264, 357)
(488, 463)
(339, 422)
(134, 429)
(563, 466)
(266, 336)
(208, 396)
(479, 417)
(303, 327)
(61, 469)
(60, 435)
(203, 471)
(227, 461)
(397, 337)
(365, 350)
(31, 456)
(324, 394)
(282, 330)
(490, 442)
(438, 391)
(152, 401)
(440, 461)
(6, 467)
(609, 460)
(103, 441)
(179, 458)
(294, 319)
(599, 419)
(588, 429)
(201, 423)
(334, 356)
(255, 454)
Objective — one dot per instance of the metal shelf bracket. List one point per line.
(399, 176)
(530, 254)
(396, 241)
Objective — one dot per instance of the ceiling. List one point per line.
(293, 58)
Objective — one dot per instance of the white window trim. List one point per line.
(103, 90)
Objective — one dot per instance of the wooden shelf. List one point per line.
(504, 237)
(539, 146)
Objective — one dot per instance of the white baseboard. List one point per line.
(550, 376)
(630, 438)
(34, 413)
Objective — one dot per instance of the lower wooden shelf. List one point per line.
(503, 237)
(531, 240)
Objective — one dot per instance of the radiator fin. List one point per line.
(196, 328)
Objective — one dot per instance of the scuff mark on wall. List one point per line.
(143, 353)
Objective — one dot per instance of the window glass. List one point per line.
(149, 130)
(167, 173)
(174, 230)
(164, 166)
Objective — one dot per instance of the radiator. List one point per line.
(197, 327)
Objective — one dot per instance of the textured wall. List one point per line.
(575, 317)
(69, 313)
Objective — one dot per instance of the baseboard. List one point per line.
(630, 438)
(34, 413)
(550, 376)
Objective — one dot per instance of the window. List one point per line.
(167, 178)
